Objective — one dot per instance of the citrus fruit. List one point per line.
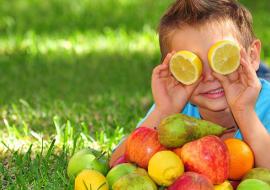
(165, 167)
(90, 180)
(226, 185)
(224, 57)
(241, 158)
(186, 67)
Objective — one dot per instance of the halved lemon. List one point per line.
(186, 67)
(224, 57)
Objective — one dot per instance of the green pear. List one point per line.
(178, 129)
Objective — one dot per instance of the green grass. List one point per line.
(75, 74)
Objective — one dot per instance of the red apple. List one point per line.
(208, 156)
(141, 145)
(192, 181)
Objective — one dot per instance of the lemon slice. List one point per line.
(186, 67)
(224, 57)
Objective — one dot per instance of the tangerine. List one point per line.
(241, 158)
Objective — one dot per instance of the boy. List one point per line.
(239, 99)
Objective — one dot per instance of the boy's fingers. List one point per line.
(167, 58)
(224, 80)
(172, 82)
(244, 55)
(158, 69)
(162, 70)
(234, 76)
(242, 76)
(250, 75)
(165, 72)
(248, 69)
(193, 86)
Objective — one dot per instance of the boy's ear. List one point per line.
(254, 54)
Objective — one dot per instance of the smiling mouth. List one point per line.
(213, 94)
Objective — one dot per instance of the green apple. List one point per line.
(87, 159)
(250, 184)
(138, 179)
(118, 171)
(258, 173)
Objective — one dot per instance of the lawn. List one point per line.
(75, 74)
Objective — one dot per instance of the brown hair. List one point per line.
(197, 12)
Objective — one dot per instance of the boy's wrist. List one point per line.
(163, 113)
(243, 113)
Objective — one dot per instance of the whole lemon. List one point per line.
(226, 185)
(165, 167)
(90, 179)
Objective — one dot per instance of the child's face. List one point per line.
(209, 94)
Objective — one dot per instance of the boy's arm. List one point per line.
(256, 135)
(118, 152)
(241, 94)
(154, 118)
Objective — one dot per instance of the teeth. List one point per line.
(216, 91)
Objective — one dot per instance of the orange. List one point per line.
(241, 158)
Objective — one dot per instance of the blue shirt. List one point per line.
(262, 108)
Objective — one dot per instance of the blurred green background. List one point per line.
(78, 72)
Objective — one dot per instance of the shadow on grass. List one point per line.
(65, 16)
(95, 88)
(74, 78)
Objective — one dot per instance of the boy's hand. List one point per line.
(170, 95)
(241, 87)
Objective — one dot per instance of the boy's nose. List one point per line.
(207, 72)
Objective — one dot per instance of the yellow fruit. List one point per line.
(90, 180)
(165, 167)
(226, 185)
(224, 57)
(186, 67)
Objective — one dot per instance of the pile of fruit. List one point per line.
(183, 153)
